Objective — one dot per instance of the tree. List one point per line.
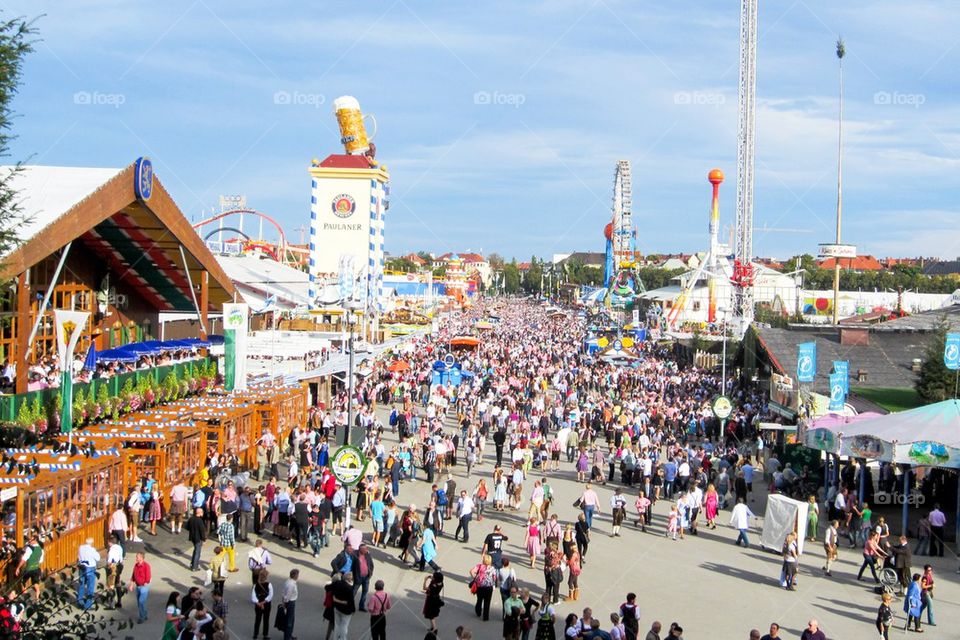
(532, 282)
(511, 277)
(16, 41)
(936, 382)
(402, 264)
(55, 614)
(496, 261)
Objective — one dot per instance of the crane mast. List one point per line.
(743, 269)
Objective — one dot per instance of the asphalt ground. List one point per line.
(711, 587)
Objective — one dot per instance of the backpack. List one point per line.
(441, 497)
(393, 418)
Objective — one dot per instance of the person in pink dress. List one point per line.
(711, 503)
(532, 542)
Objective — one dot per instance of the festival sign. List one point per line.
(867, 447)
(951, 352)
(842, 368)
(348, 464)
(722, 407)
(69, 326)
(235, 346)
(822, 439)
(929, 453)
(806, 361)
(343, 205)
(838, 396)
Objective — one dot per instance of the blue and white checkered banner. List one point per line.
(837, 395)
(951, 352)
(806, 361)
(842, 367)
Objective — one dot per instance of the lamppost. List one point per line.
(723, 366)
(841, 51)
(350, 311)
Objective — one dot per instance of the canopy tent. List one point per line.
(822, 433)
(132, 352)
(928, 436)
(784, 515)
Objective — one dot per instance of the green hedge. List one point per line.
(10, 405)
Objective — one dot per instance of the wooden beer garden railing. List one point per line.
(65, 498)
(70, 497)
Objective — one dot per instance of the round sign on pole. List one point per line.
(348, 464)
(722, 407)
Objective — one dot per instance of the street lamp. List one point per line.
(723, 365)
(350, 309)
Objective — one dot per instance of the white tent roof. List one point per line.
(260, 278)
(939, 422)
(46, 193)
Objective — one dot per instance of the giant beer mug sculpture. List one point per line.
(353, 133)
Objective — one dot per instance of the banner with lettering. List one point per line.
(806, 361)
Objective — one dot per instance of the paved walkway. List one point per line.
(713, 588)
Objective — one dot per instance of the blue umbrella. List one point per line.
(90, 363)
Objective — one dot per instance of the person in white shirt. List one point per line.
(114, 568)
(87, 557)
(290, 595)
(830, 546)
(465, 512)
(740, 519)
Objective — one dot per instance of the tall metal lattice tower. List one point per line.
(743, 271)
(623, 243)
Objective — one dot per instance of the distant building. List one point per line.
(672, 262)
(859, 263)
(947, 268)
(886, 356)
(471, 263)
(586, 258)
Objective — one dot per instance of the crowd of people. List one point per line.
(533, 408)
(45, 373)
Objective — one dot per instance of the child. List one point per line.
(220, 608)
(219, 629)
(673, 522)
(643, 506)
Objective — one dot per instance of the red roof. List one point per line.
(465, 257)
(860, 263)
(344, 161)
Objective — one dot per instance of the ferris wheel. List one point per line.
(623, 236)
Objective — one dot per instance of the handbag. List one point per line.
(208, 577)
(578, 503)
(280, 622)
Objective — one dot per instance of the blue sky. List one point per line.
(501, 122)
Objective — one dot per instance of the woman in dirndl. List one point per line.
(154, 510)
(546, 620)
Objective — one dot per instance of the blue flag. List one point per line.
(951, 353)
(842, 367)
(837, 395)
(806, 361)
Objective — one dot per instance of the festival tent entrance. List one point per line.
(784, 515)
